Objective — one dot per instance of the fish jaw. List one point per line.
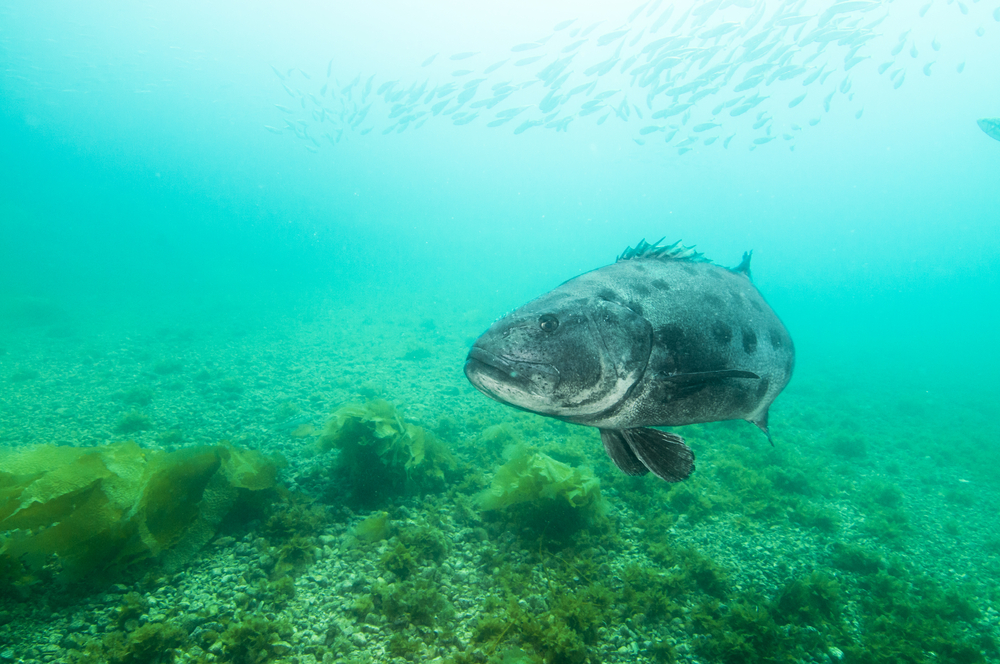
(517, 383)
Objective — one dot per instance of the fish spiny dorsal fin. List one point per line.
(672, 252)
(744, 266)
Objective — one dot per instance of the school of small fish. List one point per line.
(684, 79)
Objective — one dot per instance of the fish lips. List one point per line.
(499, 377)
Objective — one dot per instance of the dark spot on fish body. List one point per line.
(777, 338)
(689, 270)
(715, 274)
(671, 336)
(607, 294)
(749, 341)
(715, 301)
(687, 353)
(660, 284)
(722, 333)
(641, 289)
(635, 307)
(756, 305)
(762, 388)
(671, 339)
(743, 400)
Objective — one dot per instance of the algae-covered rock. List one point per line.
(530, 475)
(102, 508)
(382, 455)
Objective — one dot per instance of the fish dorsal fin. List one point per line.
(673, 252)
(744, 266)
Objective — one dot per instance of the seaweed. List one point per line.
(649, 593)
(99, 511)
(812, 600)
(855, 558)
(153, 643)
(538, 497)
(907, 616)
(886, 518)
(140, 395)
(416, 600)
(373, 529)
(811, 515)
(691, 570)
(742, 632)
(254, 640)
(382, 456)
(849, 445)
(413, 548)
(530, 476)
(133, 422)
(803, 617)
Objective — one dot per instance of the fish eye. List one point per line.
(548, 323)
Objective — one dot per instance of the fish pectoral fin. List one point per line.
(703, 376)
(666, 455)
(621, 453)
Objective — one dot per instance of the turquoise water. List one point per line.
(210, 223)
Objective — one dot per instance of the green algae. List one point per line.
(133, 421)
(140, 395)
(382, 456)
(811, 515)
(98, 511)
(416, 600)
(907, 616)
(530, 476)
(855, 558)
(154, 643)
(373, 529)
(539, 498)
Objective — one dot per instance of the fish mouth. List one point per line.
(512, 382)
(479, 356)
(482, 363)
(483, 368)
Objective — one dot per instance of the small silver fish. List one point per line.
(991, 126)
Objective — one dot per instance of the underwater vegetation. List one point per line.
(382, 456)
(243, 638)
(530, 475)
(537, 496)
(133, 422)
(84, 513)
(519, 553)
(908, 615)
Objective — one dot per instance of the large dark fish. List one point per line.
(662, 337)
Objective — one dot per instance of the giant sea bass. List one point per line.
(661, 337)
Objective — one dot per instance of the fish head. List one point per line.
(562, 356)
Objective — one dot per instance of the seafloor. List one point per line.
(867, 533)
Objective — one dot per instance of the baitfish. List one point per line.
(991, 126)
(661, 337)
